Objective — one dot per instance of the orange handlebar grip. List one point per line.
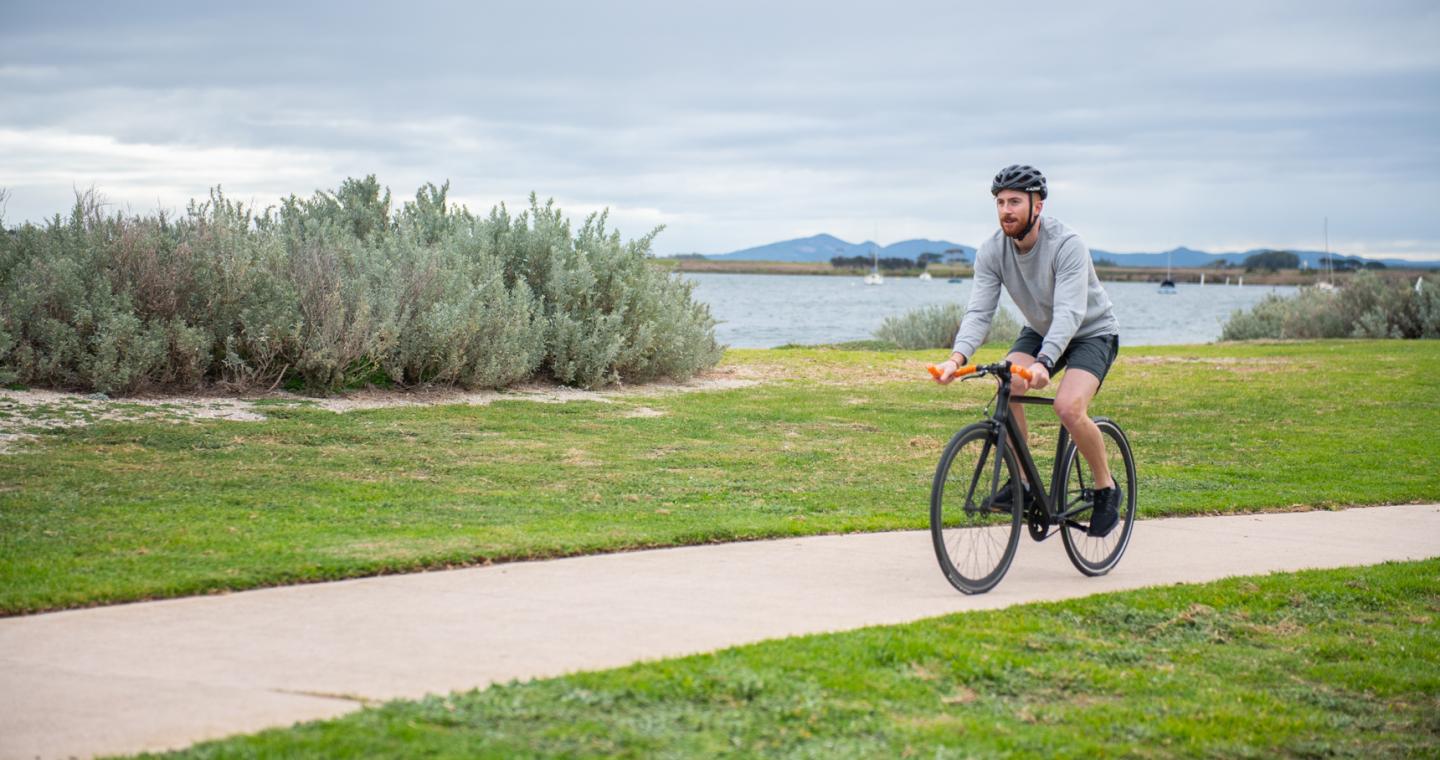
(1021, 371)
(963, 371)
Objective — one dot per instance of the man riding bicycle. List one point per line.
(1069, 323)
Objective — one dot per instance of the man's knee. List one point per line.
(1071, 409)
(1072, 403)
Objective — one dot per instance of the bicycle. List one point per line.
(975, 542)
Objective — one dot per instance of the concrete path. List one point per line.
(167, 674)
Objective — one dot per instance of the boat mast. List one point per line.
(1328, 277)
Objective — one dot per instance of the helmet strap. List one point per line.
(1030, 224)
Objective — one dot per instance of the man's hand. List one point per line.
(948, 368)
(1039, 376)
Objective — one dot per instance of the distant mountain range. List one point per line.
(824, 247)
(1189, 257)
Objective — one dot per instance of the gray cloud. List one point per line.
(1223, 125)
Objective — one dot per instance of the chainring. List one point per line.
(1038, 524)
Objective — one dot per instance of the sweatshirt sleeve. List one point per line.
(984, 299)
(1072, 289)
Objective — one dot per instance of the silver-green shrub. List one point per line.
(338, 289)
(935, 326)
(1370, 305)
(449, 316)
(1427, 307)
(610, 316)
(67, 309)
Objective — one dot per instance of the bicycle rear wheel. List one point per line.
(1096, 555)
(975, 541)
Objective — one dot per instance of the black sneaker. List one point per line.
(1001, 501)
(1106, 513)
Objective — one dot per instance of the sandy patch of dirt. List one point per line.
(24, 412)
(817, 370)
(545, 394)
(62, 409)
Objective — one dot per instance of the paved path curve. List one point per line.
(167, 674)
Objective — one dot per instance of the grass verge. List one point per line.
(830, 441)
(1337, 663)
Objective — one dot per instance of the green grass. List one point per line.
(830, 441)
(1338, 663)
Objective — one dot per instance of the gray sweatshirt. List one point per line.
(1054, 285)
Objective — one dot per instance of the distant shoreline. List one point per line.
(947, 271)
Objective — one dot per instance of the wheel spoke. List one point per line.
(1095, 555)
(973, 541)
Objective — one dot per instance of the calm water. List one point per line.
(764, 311)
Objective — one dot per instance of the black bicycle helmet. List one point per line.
(1026, 179)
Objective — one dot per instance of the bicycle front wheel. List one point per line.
(974, 524)
(1095, 555)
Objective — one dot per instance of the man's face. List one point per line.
(1013, 209)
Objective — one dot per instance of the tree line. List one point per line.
(888, 264)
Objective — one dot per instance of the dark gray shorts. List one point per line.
(1094, 355)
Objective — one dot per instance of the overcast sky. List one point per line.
(1221, 125)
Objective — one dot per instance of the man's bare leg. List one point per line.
(1072, 404)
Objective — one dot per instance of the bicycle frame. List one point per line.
(1049, 499)
(975, 560)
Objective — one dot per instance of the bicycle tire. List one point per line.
(1094, 555)
(973, 544)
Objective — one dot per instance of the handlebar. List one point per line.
(983, 369)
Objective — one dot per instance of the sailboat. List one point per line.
(1327, 283)
(1168, 286)
(874, 278)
